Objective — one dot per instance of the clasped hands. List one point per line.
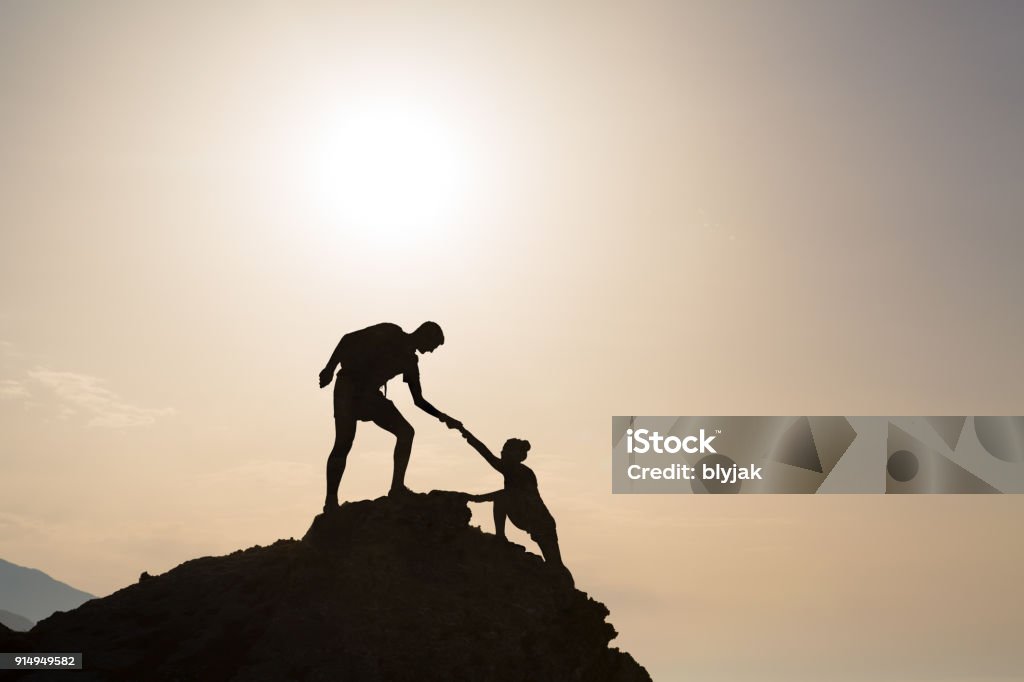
(450, 422)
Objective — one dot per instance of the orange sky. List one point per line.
(715, 208)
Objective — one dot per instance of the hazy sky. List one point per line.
(628, 208)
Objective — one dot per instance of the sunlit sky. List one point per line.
(632, 208)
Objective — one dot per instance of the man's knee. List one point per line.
(404, 432)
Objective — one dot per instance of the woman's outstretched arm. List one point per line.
(487, 497)
(481, 448)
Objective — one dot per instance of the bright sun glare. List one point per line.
(390, 169)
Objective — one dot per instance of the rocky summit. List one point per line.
(391, 589)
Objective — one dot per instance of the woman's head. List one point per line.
(515, 449)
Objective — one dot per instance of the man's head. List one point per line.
(515, 449)
(427, 337)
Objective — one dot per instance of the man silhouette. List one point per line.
(368, 359)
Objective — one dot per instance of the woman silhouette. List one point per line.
(520, 499)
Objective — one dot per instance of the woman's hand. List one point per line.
(326, 376)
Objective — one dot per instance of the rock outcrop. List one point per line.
(391, 589)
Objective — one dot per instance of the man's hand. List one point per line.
(326, 376)
(450, 422)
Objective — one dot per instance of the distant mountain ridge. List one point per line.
(31, 594)
(15, 622)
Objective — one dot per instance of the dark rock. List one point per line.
(12, 641)
(391, 589)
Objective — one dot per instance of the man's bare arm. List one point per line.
(327, 373)
(413, 379)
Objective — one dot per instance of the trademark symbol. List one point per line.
(718, 431)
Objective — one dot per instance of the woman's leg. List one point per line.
(499, 515)
(548, 543)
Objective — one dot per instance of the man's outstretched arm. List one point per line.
(413, 379)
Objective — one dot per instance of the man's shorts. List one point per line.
(360, 402)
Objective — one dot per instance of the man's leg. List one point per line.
(387, 417)
(344, 433)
